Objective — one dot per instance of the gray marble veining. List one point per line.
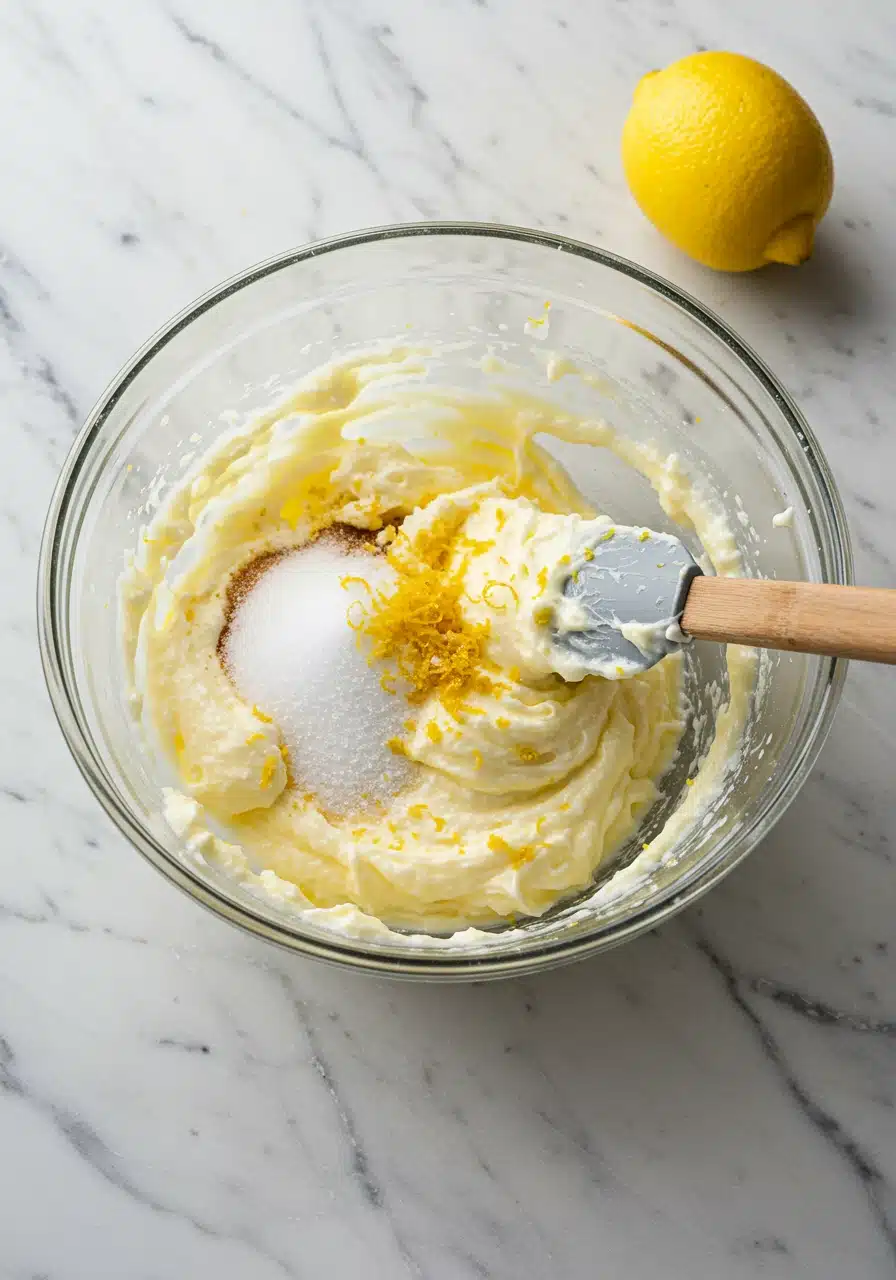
(715, 1100)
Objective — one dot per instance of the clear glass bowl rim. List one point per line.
(345, 952)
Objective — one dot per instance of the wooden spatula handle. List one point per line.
(807, 617)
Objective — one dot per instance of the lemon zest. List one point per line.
(478, 546)
(357, 622)
(516, 856)
(349, 578)
(492, 586)
(421, 625)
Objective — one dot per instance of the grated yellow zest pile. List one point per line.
(421, 626)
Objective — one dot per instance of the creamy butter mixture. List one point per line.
(523, 780)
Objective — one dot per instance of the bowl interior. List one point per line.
(655, 369)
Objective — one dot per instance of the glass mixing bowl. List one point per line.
(661, 367)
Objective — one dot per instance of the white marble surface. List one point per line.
(177, 1100)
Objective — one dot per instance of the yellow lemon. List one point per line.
(727, 160)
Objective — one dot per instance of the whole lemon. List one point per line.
(727, 160)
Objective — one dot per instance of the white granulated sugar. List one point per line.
(290, 651)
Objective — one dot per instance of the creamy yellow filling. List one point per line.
(526, 781)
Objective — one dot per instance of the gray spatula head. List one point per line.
(624, 601)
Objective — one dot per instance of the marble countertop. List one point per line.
(715, 1100)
